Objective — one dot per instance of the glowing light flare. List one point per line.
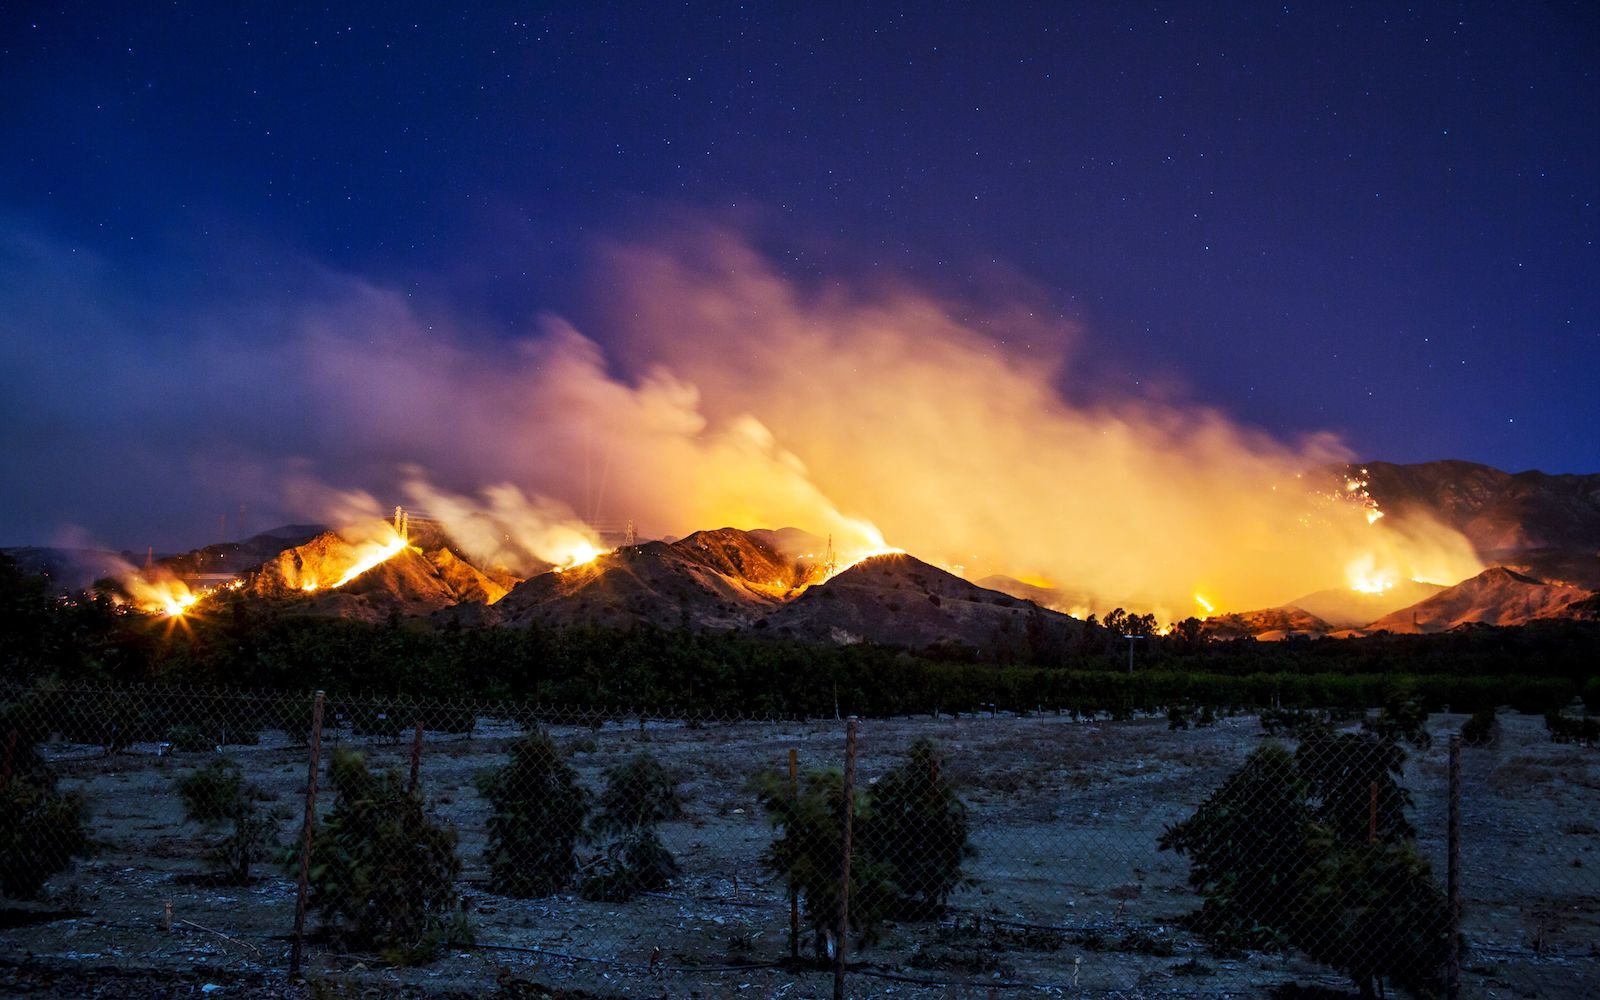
(171, 597)
(1205, 605)
(578, 552)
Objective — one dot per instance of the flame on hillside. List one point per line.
(370, 555)
(166, 596)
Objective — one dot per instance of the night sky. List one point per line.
(1318, 217)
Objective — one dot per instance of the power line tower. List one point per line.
(630, 538)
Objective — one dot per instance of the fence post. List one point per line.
(416, 757)
(1372, 813)
(841, 942)
(1452, 972)
(305, 839)
(794, 892)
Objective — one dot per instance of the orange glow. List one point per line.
(370, 554)
(578, 552)
(1205, 605)
(165, 595)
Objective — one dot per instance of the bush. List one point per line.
(1283, 853)
(41, 831)
(217, 794)
(809, 855)
(639, 795)
(1584, 731)
(537, 814)
(382, 871)
(1482, 729)
(910, 839)
(918, 827)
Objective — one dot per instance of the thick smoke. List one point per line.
(753, 401)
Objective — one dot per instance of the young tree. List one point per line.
(809, 855)
(382, 871)
(910, 839)
(1289, 851)
(639, 796)
(918, 828)
(537, 815)
(218, 794)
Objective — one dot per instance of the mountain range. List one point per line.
(1540, 535)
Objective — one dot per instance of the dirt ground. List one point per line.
(1069, 894)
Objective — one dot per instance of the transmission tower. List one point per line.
(630, 539)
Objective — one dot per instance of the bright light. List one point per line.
(1205, 604)
(372, 556)
(578, 553)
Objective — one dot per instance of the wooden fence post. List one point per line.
(842, 941)
(306, 835)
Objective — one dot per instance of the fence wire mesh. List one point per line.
(467, 847)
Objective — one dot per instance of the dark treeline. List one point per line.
(249, 645)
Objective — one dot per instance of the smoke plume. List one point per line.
(877, 414)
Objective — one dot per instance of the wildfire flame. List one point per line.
(168, 596)
(371, 554)
(579, 552)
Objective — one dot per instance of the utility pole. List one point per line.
(1131, 640)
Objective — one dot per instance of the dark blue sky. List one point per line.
(1376, 222)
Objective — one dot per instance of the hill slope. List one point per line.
(901, 600)
(1545, 525)
(1496, 596)
(725, 578)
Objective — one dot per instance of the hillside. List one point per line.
(1496, 596)
(1341, 607)
(412, 582)
(724, 578)
(1267, 624)
(1546, 524)
(900, 600)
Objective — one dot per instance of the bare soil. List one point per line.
(1069, 894)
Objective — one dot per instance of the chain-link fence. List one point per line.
(461, 847)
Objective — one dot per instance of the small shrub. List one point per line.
(918, 827)
(910, 839)
(1401, 719)
(382, 871)
(1481, 730)
(809, 855)
(1583, 731)
(217, 794)
(41, 829)
(537, 813)
(639, 796)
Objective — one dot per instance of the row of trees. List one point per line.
(238, 644)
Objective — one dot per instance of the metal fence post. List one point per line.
(305, 840)
(841, 942)
(1453, 875)
(794, 891)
